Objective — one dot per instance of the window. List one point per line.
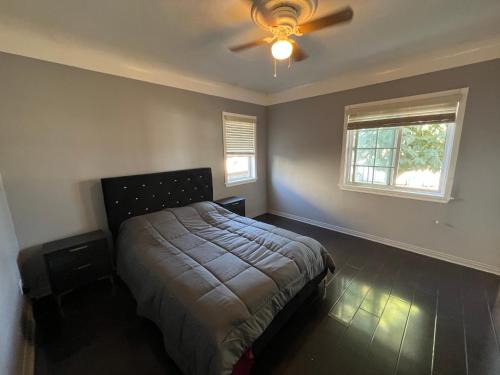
(404, 147)
(239, 133)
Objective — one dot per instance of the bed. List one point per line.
(217, 285)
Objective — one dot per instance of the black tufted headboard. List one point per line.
(129, 196)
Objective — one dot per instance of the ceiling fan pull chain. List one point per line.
(274, 68)
(289, 62)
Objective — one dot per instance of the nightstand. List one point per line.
(233, 204)
(77, 261)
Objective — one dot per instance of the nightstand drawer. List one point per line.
(76, 261)
(75, 256)
(76, 276)
(233, 204)
(236, 207)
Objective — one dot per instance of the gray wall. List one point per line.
(10, 296)
(62, 129)
(305, 140)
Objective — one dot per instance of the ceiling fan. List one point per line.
(287, 18)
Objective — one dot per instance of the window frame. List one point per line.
(226, 175)
(449, 163)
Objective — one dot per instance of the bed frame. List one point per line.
(128, 196)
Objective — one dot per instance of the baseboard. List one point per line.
(400, 245)
(253, 215)
(28, 339)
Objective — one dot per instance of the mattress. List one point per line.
(211, 280)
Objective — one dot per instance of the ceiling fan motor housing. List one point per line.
(286, 13)
(287, 18)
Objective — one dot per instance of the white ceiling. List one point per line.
(185, 42)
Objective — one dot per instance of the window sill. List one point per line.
(431, 197)
(241, 182)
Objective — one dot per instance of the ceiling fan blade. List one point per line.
(298, 53)
(344, 15)
(255, 43)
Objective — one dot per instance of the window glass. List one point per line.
(239, 147)
(421, 156)
(405, 157)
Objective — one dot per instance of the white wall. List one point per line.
(305, 143)
(10, 295)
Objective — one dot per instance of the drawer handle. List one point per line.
(74, 250)
(83, 267)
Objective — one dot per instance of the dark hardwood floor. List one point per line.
(386, 311)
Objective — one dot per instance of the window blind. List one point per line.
(435, 110)
(239, 135)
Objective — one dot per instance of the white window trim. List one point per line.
(449, 165)
(249, 180)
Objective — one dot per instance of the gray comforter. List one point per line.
(211, 280)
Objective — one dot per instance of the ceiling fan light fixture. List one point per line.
(282, 49)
